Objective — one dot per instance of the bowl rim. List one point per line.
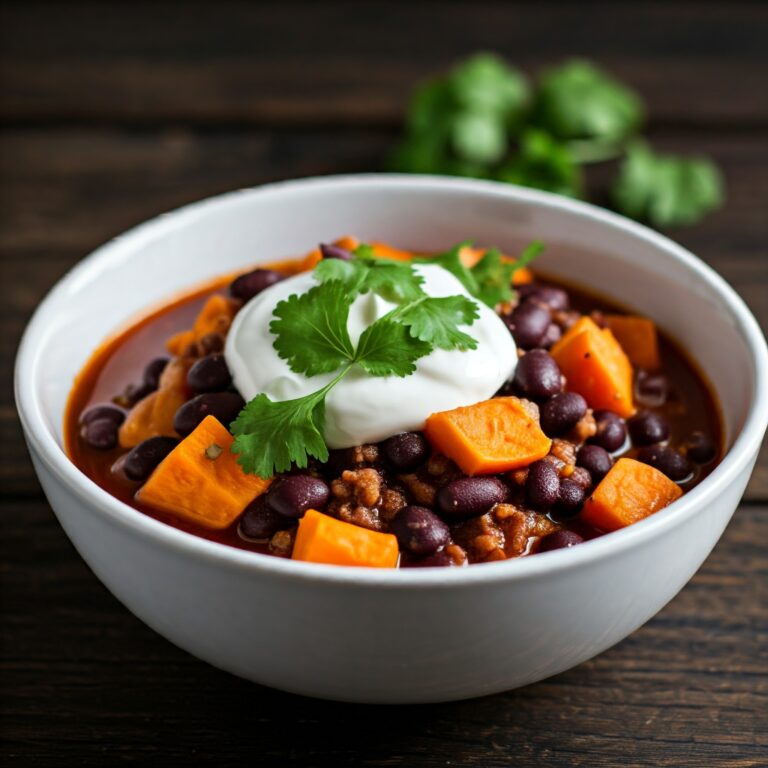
(52, 455)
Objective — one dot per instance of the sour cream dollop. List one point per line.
(362, 408)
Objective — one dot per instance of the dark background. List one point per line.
(113, 112)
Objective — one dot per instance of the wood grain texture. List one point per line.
(113, 112)
(86, 683)
(344, 63)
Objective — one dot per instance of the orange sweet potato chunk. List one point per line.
(494, 435)
(638, 338)
(596, 367)
(631, 491)
(215, 316)
(324, 539)
(200, 480)
(153, 415)
(386, 251)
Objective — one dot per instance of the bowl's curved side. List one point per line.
(397, 644)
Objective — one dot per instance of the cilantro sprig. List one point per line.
(485, 119)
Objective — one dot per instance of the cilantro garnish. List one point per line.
(484, 119)
(665, 190)
(311, 335)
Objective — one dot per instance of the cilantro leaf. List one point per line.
(436, 321)
(486, 83)
(542, 162)
(479, 137)
(311, 330)
(392, 280)
(387, 348)
(270, 435)
(494, 278)
(666, 190)
(451, 260)
(579, 101)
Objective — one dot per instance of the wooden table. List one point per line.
(114, 112)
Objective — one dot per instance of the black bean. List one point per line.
(406, 451)
(153, 371)
(667, 460)
(700, 448)
(251, 284)
(470, 496)
(611, 431)
(647, 428)
(135, 392)
(562, 413)
(209, 374)
(560, 540)
(293, 495)
(225, 406)
(141, 460)
(570, 498)
(528, 323)
(211, 342)
(651, 389)
(440, 559)
(419, 530)
(542, 485)
(331, 251)
(103, 412)
(537, 376)
(596, 460)
(260, 522)
(100, 434)
(555, 298)
(552, 336)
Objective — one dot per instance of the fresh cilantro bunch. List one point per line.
(311, 335)
(484, 119)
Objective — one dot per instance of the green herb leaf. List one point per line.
(451, 260)
(479, 137)
(494, 278)
(436, 321)
(486, 83)
(579, 101)
(311, 329)
(392, 280)
(666, 190)
(542, 162)
(270, 435)
(386, 348)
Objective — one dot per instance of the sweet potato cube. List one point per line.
(638, 338)
(596, 367)
(631, 491)
(200, 480)
(324, 539)
(494, 435)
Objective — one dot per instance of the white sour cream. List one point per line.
(361, 408)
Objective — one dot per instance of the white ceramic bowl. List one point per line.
(368, 635)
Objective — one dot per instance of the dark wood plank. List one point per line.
(84, 681)
(346, 63)
(66, 191)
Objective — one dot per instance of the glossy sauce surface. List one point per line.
(121, 361)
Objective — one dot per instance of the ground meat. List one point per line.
(564, 450)
(518, 526)
(481, 537)
(586, 428)
(455, 554)
(365, 455)
(392, 501)
(566, 318)
(422, 486)
(361, 497)
(422, 491)
(281, 543)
